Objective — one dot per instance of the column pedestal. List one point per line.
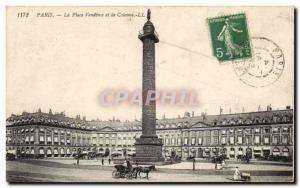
(148, 149)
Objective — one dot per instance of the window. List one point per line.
(231, 131)
(275, 130)
(285, 129)
(207, 140)
(231, 140)
(185, 141)
(256, 139)
(240, 140)
(178, 141)
(247, 131)
(31, 138)
(216, 140)
(173, 141)
(266, 140)
(107, 142)
(267, 130)
(42, 139)
(55, 139)
(223, 140)
(223, 132)
(193, 141)
(167, 141)
(49, 139)
(285, 139)
(100, 135)
(275, 140)
(257, 130)
(215, 132)
(113, 142)
(207, 133)
(200, 141)
(101, 141)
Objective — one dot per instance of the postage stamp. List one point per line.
(230, 37)
(265, 67)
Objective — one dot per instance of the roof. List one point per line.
(261, 117)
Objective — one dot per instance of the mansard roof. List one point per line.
(261, 117)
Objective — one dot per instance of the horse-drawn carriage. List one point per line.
(122, 171)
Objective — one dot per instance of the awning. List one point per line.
(240, 152)
(32, 151)
(207, 150)
(26, 130)
(31, 130)
(231, 152)
(62, 151)
(49, 152)
(26, 139)
(285, 150)
(55, 152)
(42, 151)
(68, 141)
(68, 151)
(266, 148)
(55, 139)
(49, 139)
(275, 153)
(12, 151)
(84, 152)
(257, 148)
(31, 139)
(41, 130)
(42, 138)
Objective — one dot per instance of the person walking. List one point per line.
(102, 161)
(109, 160)
(237, 176)
(194, 161)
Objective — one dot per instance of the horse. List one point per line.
(145, 170)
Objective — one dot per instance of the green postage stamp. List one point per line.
(230, 37)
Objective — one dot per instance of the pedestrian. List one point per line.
(109, 161)
(102, 161)
(194, 161)
(237, 174)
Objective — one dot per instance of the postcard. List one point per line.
(150, 94)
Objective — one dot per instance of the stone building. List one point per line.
(261, 133)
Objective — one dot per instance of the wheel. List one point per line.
(128, 175)
(116, 174)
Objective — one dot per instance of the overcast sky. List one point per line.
(65, 63)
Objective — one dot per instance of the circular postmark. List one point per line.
(266, 65)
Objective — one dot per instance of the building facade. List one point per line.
(259, 134)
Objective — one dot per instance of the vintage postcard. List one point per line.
(150, 94)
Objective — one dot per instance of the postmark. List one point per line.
(230, 37)
(265, 67)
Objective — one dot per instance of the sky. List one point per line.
(64, 63)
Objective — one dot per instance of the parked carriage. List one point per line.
(129, 172)
(124, 172)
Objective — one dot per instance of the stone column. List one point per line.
(148, 146)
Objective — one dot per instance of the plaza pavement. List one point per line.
(45, 171)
